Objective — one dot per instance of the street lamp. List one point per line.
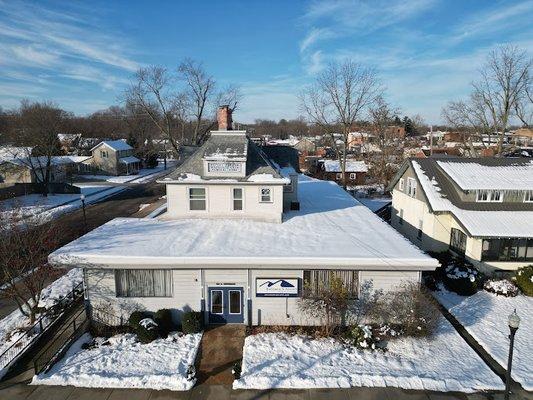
(514, 323)
(82, 198)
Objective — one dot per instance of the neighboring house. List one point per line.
(113, 157)
(305, 145)
(12, 152)
(481, 208)
(331, 170)
(523, 137)
(234, 245)
(69, 142)
(33, 169)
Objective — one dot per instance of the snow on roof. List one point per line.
(41, 161)
(478, 223)
(115, 145)
(351, 166)
(11, 152)
(129, 160)
(331, 229)
(473, 175)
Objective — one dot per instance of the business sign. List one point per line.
(276, 287)
(224, 166)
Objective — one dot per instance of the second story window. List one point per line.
(352, 176)
(489, 196)
(237, 199)
(411, 187)
(197, 199)
(266, 195)
(339, 176)
(528, 196)
(401, 185)
(103, 153)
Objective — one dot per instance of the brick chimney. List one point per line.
(224, 118)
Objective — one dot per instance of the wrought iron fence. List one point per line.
(34, 332)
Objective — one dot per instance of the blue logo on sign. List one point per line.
(282, 283)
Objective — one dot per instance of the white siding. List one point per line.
(388, 280)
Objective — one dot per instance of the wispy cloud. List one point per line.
(315, 35)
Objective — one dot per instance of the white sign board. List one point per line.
(227, 166)
(277, 287)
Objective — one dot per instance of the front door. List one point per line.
(226, 305)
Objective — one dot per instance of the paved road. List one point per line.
(123, 204)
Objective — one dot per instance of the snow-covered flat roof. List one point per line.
(478, 223)
(351, 166)
(472, 176)
(129, 160)
(330, 230)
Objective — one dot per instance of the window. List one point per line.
(339, 176)
(104, 153)
(266, 195)
(419, 232)
(143, 282)
(197, 199)
(458, 241)
(514, 249)
(411, 187)
(400, 216)
(483, 196)
(352, 175)
(315, 280)
(237, 199)
(528, 196)
(401, 186)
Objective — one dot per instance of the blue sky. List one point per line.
(82, 54)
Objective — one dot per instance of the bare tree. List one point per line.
(382, 117)
(504, 80)
(40, 122)
(200, 88)
(524, 104)
(154, 90)
(24, 265)
(338, 98)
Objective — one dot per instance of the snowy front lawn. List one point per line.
(484, 316)
(14, 326)
(444, 363)
(123, 362)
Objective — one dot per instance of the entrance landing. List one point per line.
(220, 348)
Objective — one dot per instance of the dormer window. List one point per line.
(266, 195)
(197, 199)
(528, 196)
(488, 196)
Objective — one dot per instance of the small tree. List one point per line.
(329, 302)
(24, 267)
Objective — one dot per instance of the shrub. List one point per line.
(361, 336)
(147, 330)
(412, 309)
(136, 317)
(501, 287)
(192, 322)
(524, 279)
(163, 318)
(461, 277)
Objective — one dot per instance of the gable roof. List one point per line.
(116, 145)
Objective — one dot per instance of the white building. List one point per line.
(238, 240)
(478, 208)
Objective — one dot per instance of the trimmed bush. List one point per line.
(136, 317)
(461, 277)
(361, 336)
(524, 280)
(163, 318)
(192, 322)
(147, 330)
(501, 287)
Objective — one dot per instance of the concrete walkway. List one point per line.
(220, 392)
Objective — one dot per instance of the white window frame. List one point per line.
(353, 175)
(104, 154)
(189, 198)
(401, 186)
(490, 194)
(211, 301)
(261, 195)
(528, 196)
(339, 175)
(411, 187)
(233, 199)
(229, 301)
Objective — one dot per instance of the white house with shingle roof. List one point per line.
(238, 241)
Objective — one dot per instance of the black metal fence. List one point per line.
(32, 334)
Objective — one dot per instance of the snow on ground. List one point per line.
(59, 288)
(444, 363)
(484, 315)
(126, 363)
